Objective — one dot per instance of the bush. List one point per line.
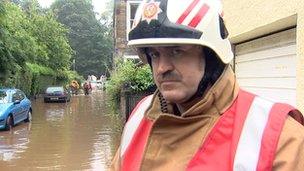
(128, 76)
(38, 69)
(20, 77)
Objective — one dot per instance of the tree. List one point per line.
(17, 45)
(88, 37)
(54, 50)
(51, 37)
(31, 38)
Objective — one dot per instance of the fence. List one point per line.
(129, 100)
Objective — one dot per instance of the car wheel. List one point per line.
(9, 123)
(46, 101)
(29, 116)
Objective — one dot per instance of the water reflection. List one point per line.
(80, 135)
(55, 113)
(14, 142)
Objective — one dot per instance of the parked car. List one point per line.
(15, 107)
(56, 94)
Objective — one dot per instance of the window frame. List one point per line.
(15, 96)
(128, 15)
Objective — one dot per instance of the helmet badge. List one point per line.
(151, 11)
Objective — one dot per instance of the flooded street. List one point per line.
(79, 135)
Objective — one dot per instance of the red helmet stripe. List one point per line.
(199, 16)
(187, 11)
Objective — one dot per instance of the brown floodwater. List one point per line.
(80, 135)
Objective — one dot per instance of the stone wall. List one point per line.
(120, 28)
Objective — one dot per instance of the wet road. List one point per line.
(80, 135)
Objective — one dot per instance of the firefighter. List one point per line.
(199, 118)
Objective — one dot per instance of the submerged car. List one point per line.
(15, 107)
(56, 94)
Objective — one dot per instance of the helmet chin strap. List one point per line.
(201, 89)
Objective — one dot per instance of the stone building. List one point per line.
(124, 12)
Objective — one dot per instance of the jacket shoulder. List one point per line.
(289, 153)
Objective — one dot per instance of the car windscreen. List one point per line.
(54, 89)
(3, 97)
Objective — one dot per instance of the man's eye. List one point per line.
(177, 52)
(153, 55)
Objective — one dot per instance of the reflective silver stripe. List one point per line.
(248, 149)
(132, 125)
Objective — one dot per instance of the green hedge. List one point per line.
(128, 76)
(44, 77)
(19, 77)
(41, 78)
(33, 78)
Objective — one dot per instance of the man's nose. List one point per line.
(165, 64)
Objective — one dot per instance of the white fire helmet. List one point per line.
(174, 22)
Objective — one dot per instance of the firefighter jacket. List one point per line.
(228, 129)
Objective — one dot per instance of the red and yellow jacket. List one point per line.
(228, 129)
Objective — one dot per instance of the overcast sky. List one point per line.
(99, 5)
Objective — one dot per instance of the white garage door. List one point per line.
(267, 66)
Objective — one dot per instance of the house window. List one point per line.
(131, 10)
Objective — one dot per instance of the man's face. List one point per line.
(177, 70)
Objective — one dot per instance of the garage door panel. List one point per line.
(272, 67)
(288, 50)
(275, 83)
(272, 41)
(267, 66)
